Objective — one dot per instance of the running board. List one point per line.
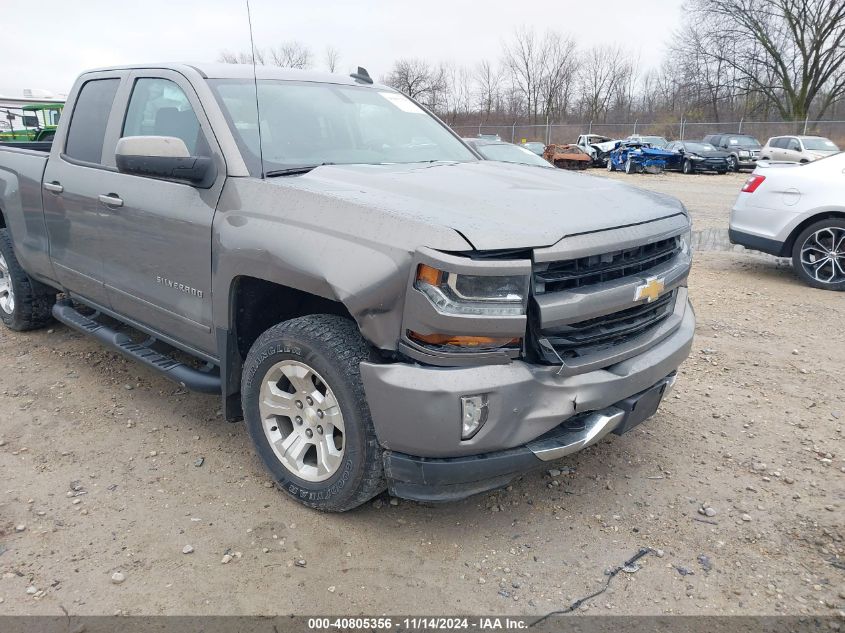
(188, 377)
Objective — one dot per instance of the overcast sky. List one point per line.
(45, 45)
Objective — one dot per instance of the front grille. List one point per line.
(594, 269)
(593, 335)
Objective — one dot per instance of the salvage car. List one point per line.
(567, 156)
(655, 141)
(634, 157)
(535, 146)
(744, 150)
(505, 152)
(381, 307)
(597, 146)
(797, 149)
(697, 156)
(797, 210)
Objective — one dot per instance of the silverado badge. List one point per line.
(650, 290)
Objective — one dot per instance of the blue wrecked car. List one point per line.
(638, 157)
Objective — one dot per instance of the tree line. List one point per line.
(772, 60)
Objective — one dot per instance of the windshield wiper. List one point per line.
(292, 171)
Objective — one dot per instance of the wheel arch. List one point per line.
(254, 305)
(789, 244)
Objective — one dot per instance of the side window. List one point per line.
(794, 145)
(159, 107)
(90, 117)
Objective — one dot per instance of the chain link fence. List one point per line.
(689, 130)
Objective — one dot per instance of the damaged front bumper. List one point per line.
(416, 412)
(451, 479)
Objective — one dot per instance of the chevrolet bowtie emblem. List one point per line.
(650, 290)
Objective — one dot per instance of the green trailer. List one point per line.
(31, 122)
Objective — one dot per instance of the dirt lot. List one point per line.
(108, 468)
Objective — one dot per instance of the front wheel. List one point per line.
(629, 167)
(818, 256)
(25, 304)
(609, 165)
(307, 414)
(733, 163)
(687, 167)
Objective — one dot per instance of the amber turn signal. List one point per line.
(428, 274)
(464, 341)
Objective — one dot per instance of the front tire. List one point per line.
(687, 167)
(25, 304)
(307, 414)
(818, 255)
(629, 167)
(609, 165)
(733, 163)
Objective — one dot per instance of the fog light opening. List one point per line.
(474, 414)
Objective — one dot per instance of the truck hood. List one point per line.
(492, 205)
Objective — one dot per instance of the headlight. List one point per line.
(686, 242)
(744, 153)
(485, 295)
(696, 157)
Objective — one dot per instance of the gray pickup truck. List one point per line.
(382, 308)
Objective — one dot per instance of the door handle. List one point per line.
(111, 200)
(53, 187)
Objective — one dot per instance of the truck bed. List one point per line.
(36, 146)
(21, 172)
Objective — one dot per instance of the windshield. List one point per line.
(745, 141)
(657, 141)
(507, 153)
(821, 144)
(307, 123)
(699, 147)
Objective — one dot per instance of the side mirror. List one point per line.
(162, 157)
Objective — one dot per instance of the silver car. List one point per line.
(798, 149)
(797, 211)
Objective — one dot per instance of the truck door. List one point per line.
(156, 241)
(72, 212)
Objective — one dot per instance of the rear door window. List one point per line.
(90, 117)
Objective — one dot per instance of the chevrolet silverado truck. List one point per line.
(381, 307)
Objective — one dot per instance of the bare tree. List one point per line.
(241, 58)
(332, 57)
(523, 58)
(792, 52)
(602, 75)
(559, 63)
(419, 80)
(292, 55)
(488, 88)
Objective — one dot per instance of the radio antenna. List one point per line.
(255, 82)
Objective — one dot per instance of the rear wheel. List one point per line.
(819, 254)
(307, 414)
(25, 304)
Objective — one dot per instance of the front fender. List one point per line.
(319, 245)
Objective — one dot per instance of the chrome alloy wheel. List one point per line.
(7, 292)
(823, 255)
(302, 420)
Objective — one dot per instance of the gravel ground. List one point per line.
(124, 494)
